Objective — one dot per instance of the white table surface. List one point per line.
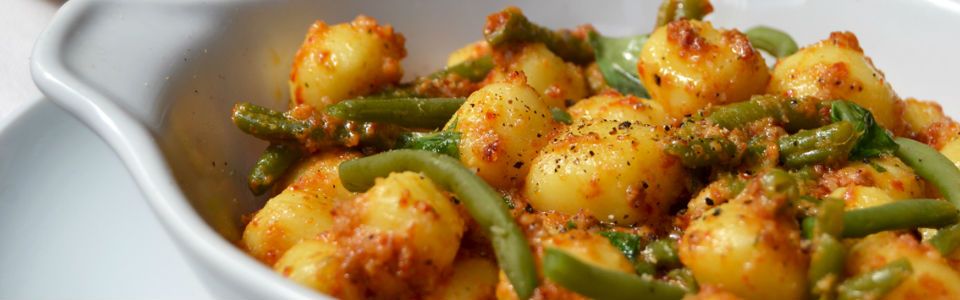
(102, 242)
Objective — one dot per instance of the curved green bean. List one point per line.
(273, 163)
(707, 151)
(875, 284)
(600, 283)
(662, 253)
(484, 204)
(826, 264)
(510, 26)
(773, 41)
(687, 9)
(313, 133)
(408, 112)
(473, 70)
(947, 239)
(932, 167)
(902, 214)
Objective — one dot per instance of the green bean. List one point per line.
(482, 202)
(775, 42)
(826, 264)
(779, 183)
(561, 115)
(684, 278)
(792, 114)
(829, 219)
(931, 166)
(947, 239)
(314, 133)
(408, 112)
(510, 26)
(274, 161)
(876, 284)
(807, 226)
(662, 253)
(688, 9)
(705, 152)
(828, 144)
(627, 243)
(473, 70)
(444, 142)
(599, 283)
(902, 214)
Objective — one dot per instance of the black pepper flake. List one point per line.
(528, 208)
(709, 201)
(518, 165)
(624, 125)
(656, 79)
(644, 185)
(716, 212)
(591, 152)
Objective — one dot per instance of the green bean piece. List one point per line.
(684, 278)
(773, 41)
(947, 239)
(826, 265)
(626, 242)
(902, 214)
(877, 283)
(792, 114)
(779, 183)
(828, 145)
(408, 112)
(473, 70)
(662, 253)
(313, 133)
(829, 219)
(599, 283)
(687, 9)
(561, 115)
(484, 204)
(265, 123)
(932, 167)
(273, 163)
(510, 26)
(807, 226)
(706, 151)
(444, 142)
(643, 267)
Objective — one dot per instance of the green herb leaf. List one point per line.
(561, 115)
(874, 139)
(617, 60)
(626, 242)
(443, 142)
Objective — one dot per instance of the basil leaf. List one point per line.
(874, 139)
(617, 60)
(561, 115)
(625, 242)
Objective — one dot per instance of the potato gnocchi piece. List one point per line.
(887, 173)
(402, 235)
(316, 264)
(473, 279)
(952, 151)
(616, 107)
(747, 249)
(299, 212)
(926, 122)
(688, 65)
(615, 171)
(857, 196)
(501, 128)
(836, 68)
(344, 61)
(932, 276)
(472, 51)
(557, 81)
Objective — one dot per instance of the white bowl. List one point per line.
(156, 79)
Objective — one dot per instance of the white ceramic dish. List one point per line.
(156, 80)
(59, 225)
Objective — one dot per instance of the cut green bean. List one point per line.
(510, 26)
(829, 144)
(876, 284)
(683, 277)
(484, 204)
(313, 133)
(473, 70)
(444, 142)
(829, 219)
(705, 152)
(672, 10)
(662, 253)
(773, 41)
(792, 114)
(947, 239)
(779, 183)
(902, 214)
(273, 163)
(826, 265)
(932, 167)
(599, 283)
(408, 112)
